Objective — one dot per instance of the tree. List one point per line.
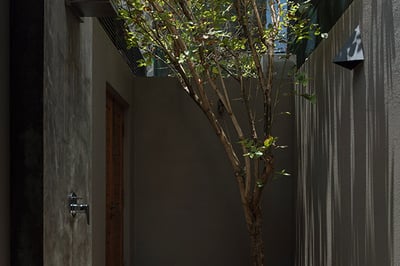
(206, 42)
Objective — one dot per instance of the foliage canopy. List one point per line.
(204, 42)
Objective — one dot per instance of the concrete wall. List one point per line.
(4, 135)
(67, 134)
(58, 114)
(79, 61)
(186, 202)
(348, 203)
(108, 67)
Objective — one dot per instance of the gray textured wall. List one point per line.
(348, 203)
(186, 202)
(109, 67)
(67, 134)
(4, 134)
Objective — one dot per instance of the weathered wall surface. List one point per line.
(391, 35)
(348, 203)
(186, 202)
(4, 135)
(67, 134)
(109, 67)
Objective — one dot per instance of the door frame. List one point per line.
(117, 99)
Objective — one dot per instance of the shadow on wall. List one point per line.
(187, 206)
(345, 185)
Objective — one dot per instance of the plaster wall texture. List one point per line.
(109, 68)
(67, 134)
(348, 203)
(186, 202)
(4, 135)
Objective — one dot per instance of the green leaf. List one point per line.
(301, 78)
(282, 147)
(269, 141)
(215, 70)
(310, 97)
(259, 183)
(258, 153)
(283, 172)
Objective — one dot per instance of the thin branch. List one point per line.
(263, 180)
(266, 86)
(250, 115)
(204, 102)
(260, 26)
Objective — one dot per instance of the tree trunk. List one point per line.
(254, 227)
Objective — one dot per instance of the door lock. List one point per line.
(75, 207)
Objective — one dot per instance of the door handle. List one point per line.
(75, 207)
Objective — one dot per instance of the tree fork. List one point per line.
(203, 48)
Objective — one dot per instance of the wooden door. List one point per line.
(114, 185)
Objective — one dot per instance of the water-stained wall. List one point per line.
(4, 135)
(348, 204)
(67, 132)
(60, 67)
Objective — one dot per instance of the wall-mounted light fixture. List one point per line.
(352, 53)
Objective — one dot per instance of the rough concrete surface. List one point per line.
(348, 187)
(67, 134)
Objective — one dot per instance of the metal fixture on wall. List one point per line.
(75, 207)
(352, 53)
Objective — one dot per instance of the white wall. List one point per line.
(108, 67)
(4, 133)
